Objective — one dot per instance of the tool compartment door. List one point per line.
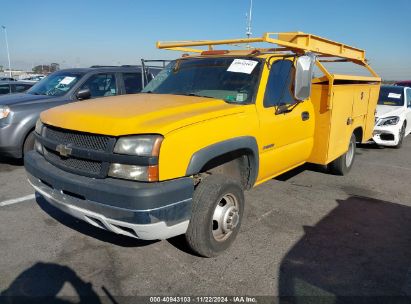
(340, 120)
(361, 98)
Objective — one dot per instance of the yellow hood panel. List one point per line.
(137, 113)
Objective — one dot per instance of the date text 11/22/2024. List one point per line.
(203, 299)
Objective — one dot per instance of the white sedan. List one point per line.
(393, 116)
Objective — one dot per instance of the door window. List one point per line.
(18, 88)
(409, 98)
(279, 84)
(132, 82)
(4, 89)
(101, 85)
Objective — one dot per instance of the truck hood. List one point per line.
(22, 98)
(385, 111)
(137, 113)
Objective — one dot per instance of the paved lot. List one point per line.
(306, 233)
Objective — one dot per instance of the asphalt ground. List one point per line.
(305, 233)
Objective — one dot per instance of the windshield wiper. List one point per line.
(193, 94)
(237, 102)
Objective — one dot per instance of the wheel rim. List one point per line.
(350, 155)
(226, 217)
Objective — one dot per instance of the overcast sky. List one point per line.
(82, 33)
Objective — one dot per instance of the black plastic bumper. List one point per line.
(127, 201)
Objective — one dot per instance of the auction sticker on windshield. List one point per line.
(67, 80)
(394, 95)
(242, 66)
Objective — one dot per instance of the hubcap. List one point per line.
(350, 155)
(226, 217)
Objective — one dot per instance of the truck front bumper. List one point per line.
(145, 211)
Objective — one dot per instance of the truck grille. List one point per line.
(74, 139)
(78, 139)
(77, 165)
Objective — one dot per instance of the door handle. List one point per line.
(305, 116)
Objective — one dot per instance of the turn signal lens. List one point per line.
(133, 172)
(38, 147)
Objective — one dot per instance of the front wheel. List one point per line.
(343, 164)
(218, 206)
(401, 136)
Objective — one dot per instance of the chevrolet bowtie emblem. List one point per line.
(63, 150)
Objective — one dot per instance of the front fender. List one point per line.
(247, 143)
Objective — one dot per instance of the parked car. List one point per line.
(7, 79)
(393, 116)
(34, 79)
(404, 83)
(19, 112)
(10, 87)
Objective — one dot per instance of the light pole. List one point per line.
(7, 46)
(249, 20)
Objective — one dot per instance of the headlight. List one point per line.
(132, 172)
(39, 127)
(141, 145)
(4, 111)
(389, 121)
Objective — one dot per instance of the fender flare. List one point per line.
(203, 156)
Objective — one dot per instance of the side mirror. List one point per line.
(83, 94)
(303, 76)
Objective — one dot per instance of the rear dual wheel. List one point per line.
(218, 206)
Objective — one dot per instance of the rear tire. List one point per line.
(29, 143)
(218, 206)
(343, 164)
(401, 136)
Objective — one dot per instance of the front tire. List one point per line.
(343, 164)
(218, 206)
(401, 136)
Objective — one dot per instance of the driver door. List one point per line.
(286, 139)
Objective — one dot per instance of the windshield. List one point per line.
(230, 79)
(391, 96)
(56, 84)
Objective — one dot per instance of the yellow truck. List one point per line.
(177, 158)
